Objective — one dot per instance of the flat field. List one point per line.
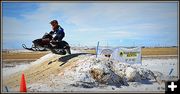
(36, 55)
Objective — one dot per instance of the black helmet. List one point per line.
(54, 21)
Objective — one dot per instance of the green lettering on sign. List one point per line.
(121, 53)
(131, 54)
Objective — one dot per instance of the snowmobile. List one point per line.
(45, 44)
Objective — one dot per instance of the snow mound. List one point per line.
(89, 72)
(132, 74)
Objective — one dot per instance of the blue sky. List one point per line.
(115, 24)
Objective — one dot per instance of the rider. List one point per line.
(58, 30)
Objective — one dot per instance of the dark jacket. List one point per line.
(59, 34)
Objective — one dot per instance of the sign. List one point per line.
(127, 55)
(104, 50)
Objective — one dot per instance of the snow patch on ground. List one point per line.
(17, 50)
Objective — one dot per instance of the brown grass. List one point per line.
(23, 55)
(36, 55)
(159, 51)
(152, 51)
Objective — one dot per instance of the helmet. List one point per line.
(54, 21)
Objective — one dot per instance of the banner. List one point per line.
(127, 55)
(104, 50)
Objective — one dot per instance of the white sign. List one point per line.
(127, 55)
(104, 50)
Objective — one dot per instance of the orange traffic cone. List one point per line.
(23, 84)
